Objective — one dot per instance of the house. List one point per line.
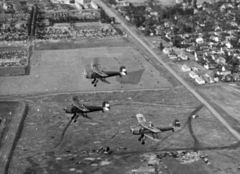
(191, 49)
(183, 57)
(94, 5)
(221, 60)
(193, 75)
(199, 81)
(228, 45)
(83, 1)
(166, 50)
(214, 38)
(172, 55)
(199, 40)
(186, 68)
(207, 78)
(122, 3)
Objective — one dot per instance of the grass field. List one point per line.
(41, 148)
(62, 71)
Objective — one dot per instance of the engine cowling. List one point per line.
(123, 71)
(68, 109)
(106, 106)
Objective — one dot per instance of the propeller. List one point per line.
(84, 74)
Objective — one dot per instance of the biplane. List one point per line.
(97, 74)
(151, 131)
(77, 108)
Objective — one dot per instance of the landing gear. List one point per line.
(74, 117)
(94, 82)
(142, 138)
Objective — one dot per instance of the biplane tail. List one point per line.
(123, 71)
(176, 123)
(105, 106)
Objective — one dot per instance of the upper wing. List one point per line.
(152, 138)
(97, 69)
(77, 104)
(142, 121)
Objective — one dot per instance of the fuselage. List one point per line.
(72, 109)
(141, 130)
(94, 75)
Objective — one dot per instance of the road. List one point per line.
(111, 13)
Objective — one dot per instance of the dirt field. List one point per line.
(63, 71)
(40, 148)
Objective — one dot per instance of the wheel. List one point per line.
(139, 139)
(143, 143)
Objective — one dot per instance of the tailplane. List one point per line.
(175, 125)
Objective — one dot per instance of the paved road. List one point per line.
(191, 89)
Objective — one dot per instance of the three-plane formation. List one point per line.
(144, 130)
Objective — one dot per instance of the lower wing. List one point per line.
(151, 137)
(104, 80)
(97, 69)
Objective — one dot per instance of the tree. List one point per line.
(235, 3)
(195, 4)
(161, 47)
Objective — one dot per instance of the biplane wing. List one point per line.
(142, 121)
(151, 137)
(77, 104)
(97, 69)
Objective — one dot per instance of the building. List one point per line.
(83, 1)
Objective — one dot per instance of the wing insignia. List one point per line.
(77, 104)
(142, 121)
(97, 69)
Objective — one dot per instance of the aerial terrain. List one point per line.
(38, 136)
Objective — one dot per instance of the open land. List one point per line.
(41, 149)
(67, 68)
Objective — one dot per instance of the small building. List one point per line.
(199, 81)
(83, 1)
(122, 3)
(94, 5)
(172, 55)
(199, 40)
(186, 68)
(193, 74)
